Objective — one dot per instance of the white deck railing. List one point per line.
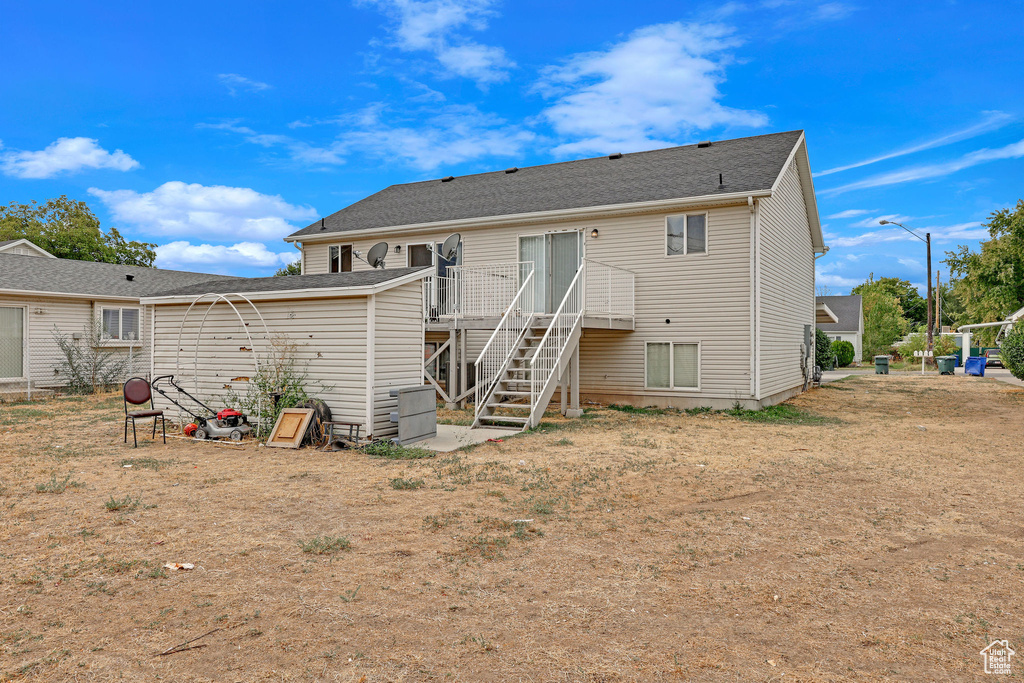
(549, 354)
(609, 291)
(473, 291)
(504, 341)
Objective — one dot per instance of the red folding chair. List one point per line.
(138, 392)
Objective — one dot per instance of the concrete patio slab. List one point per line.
(453, 437)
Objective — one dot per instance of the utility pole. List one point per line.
(938, 301)
(927, 239)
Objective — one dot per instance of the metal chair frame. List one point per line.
(134, 415)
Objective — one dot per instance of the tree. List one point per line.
(990, 282)
(294, 268)
(844, 352)
(883, 319)
(68, 229)
(822, 350)
(915, 306)
(1012, 351)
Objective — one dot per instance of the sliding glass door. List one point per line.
(12, 343)
(556, 258)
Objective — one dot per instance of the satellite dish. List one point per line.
(450, 247)
(378, 252)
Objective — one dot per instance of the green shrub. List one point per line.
(942, 345)
(1012, 351)
(844, 352)
(822, 350)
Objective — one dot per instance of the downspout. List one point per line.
(811, 352)
(754, 301)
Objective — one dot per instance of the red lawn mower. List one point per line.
(209, 424)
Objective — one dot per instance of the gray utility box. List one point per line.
(416, 415)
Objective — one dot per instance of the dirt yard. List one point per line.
(869, 531)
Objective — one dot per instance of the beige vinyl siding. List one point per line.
(398, 353)
(46, 315)
(786, 275)
(329, 336)
(331, 348)
(707, 297)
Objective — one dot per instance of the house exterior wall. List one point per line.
(706, 298)
(331, 347)
(47, 315)
(398, 350)
(785, 272)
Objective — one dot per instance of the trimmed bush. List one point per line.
(822, 350)
(1012, 351)
(844, 352)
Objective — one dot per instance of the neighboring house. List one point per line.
(850, 325)
(677, 277)
(93, 306)
(23, 247)
(352, 337)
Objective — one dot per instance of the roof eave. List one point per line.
(541, 216)
(301, 293)
(67, 295)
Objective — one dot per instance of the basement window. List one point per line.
(120, 324)
(673, 365)
(340, 258)
(686, 234)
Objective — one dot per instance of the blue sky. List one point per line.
(214, 129)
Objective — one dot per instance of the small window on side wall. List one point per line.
(672, 365)
(686, 234)
(340, 258)
(120, 324)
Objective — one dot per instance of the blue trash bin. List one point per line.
(975, 366)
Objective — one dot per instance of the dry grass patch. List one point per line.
(862, 531)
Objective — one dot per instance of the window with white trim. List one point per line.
(686, 234)
(120, 323)
(339, 258)
(673, 365)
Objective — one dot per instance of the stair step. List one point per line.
(516, 406)
(502, 418)
(509, 392)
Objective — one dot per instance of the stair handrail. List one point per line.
(503, 342)
(552, 346)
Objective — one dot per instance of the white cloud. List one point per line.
(235, 82)
(960, 231)
(453, 135)
(434, 26)
(876, 220)
(183, 254)
(992, 121)
(66, 155)
(850, 213)
(449, 135)
(927, 171)
(658, 85)
(910, 263)
(836, 281)
(218, 212)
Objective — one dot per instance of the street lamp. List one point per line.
(927, 239)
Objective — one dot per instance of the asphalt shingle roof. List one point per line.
(746, 164)
(67, 276)
(846, 308)
(250, 285)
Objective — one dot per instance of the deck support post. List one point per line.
(563, 387)
(452, 383)
(574, 384)
(463, 377)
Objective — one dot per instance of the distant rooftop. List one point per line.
(846, 308)
(254, 285)
(67, 276)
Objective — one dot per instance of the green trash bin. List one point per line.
(946, 364)
(881, 365)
